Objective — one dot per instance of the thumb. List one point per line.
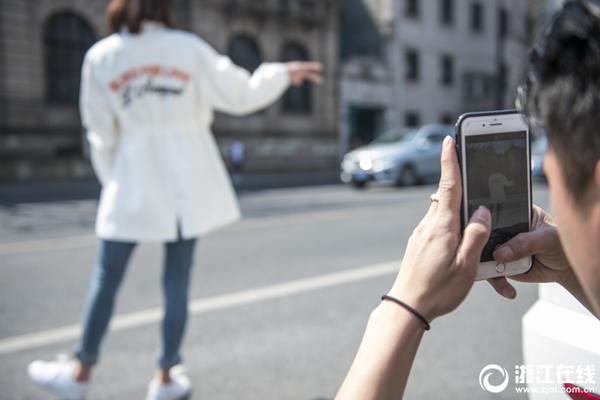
(525, 244)
(475, 236)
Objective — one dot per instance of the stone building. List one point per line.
(42, 43)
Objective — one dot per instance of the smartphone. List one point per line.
(494, 154)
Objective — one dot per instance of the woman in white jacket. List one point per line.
(148, 94)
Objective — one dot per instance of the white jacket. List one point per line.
(147, 103)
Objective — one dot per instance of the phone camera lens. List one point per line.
(484, 125)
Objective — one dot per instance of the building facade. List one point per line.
(42, 43)
(365, 95)
(454, 56)
(405, 63)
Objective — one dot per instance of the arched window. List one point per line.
(296, 99)
(243, 51)
(66, 37)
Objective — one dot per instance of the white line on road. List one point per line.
(204, 305)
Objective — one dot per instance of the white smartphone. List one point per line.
(494, 154)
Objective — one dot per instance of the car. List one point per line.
(560, 336)
(397, 157)
(538, 150)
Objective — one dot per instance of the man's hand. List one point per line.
(550, 263)
(439, 268)
(301, 71)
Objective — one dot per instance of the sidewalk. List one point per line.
(14, 193)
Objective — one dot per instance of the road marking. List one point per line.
(204, 305)
(83, 241)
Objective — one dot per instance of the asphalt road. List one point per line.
(279, 300)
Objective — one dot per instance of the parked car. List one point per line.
(397, 157)
(538, 150)
(559, 333)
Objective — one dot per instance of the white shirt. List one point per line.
(497, 182)
(147, 103)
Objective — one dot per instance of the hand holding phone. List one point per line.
(494, 154)
(439, 267)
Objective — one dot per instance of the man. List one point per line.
(562, 96)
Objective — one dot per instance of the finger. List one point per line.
(503, 287)
(312, 66)
(450, 186)
(431, 212)
(303, 75)
(475, 236)
(315, 78)
(524, 245)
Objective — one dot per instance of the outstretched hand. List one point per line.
(439, 267)
(300, 71)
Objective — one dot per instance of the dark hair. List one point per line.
(131, 13)
(562, 92)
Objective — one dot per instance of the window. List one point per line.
(446, 119)
(476, 17)
(308, 5)
(447, 70)
(503, 75)
(436, 138)
(411, 64)
(411, 119)
(477, 85)
(66, 39)
(446, 12)
(502, 83)
(244, 52)
(411, 9)
(503, 23)
(296, 99)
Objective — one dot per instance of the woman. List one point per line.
(562, 95)
(147, 98)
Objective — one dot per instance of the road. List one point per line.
(279, 300)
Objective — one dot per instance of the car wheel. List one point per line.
(407, 177)
(359, 184)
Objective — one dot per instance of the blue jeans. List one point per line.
(112, 261)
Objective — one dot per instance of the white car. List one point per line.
(561, 347)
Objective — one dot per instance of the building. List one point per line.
(42, 43)
(365, 94)
(405, 63)
(300, 131)
(454, 56)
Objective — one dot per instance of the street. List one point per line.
(279, 301)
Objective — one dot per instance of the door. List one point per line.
(364, 124)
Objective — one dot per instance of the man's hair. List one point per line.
(131, 13)
(562, 92)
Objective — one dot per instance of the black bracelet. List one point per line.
(409, 309)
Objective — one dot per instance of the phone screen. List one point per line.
(497, 172)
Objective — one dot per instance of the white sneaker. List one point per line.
(178, 389)
(56, 377)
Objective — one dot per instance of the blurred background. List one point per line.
(388, 65)
(280, 300)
